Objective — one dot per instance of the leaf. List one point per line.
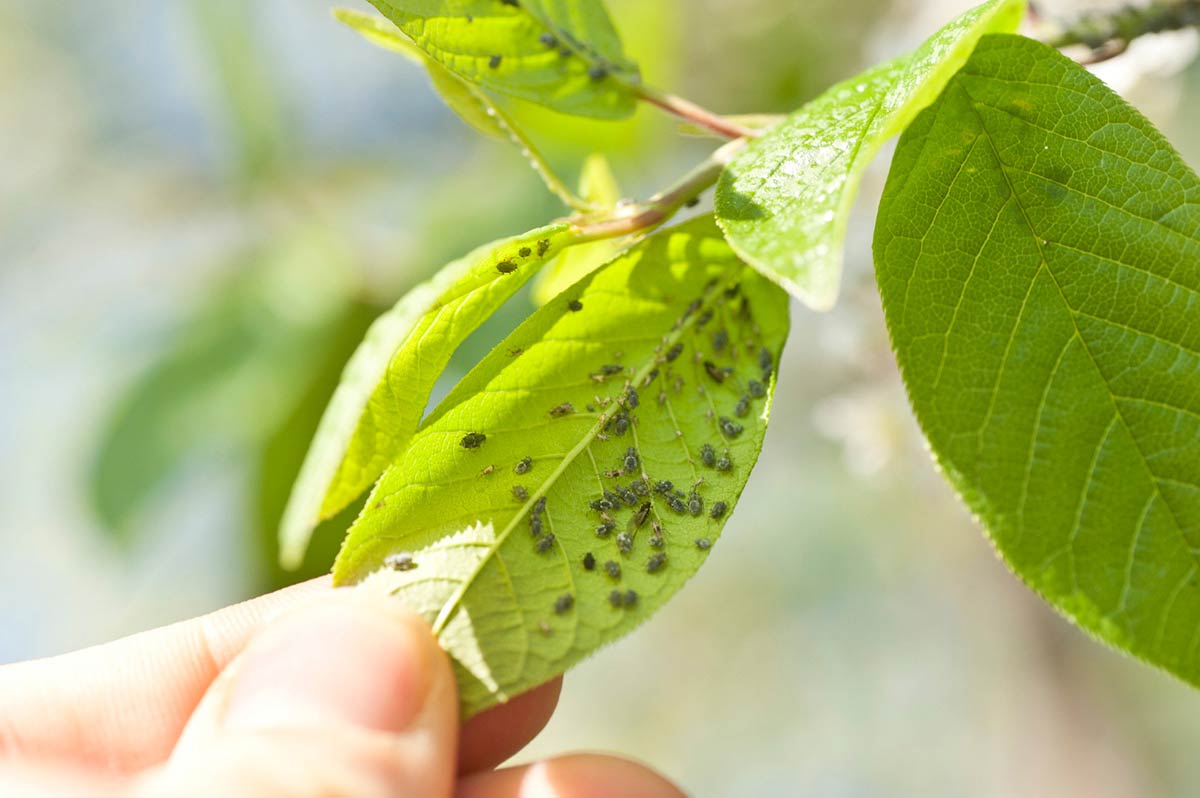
(1038, 253)
(563, 54)
(487, 584)
(785, 200)
(598, 187)
(386, 384)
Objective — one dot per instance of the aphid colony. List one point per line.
(509, 265)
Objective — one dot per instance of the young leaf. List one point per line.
(386, 384)
(784, 200)
(1038, 253)
(657, 368)
(563, 54)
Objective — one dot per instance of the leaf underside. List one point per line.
(386, 384)
(1038, 253)
(785, 200)
(562, 54)
(487, 576)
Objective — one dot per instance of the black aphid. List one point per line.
(509, 3)
(628, 496)
(613, 473)
(765, 361)
(523, 465)
(548, 40)
(692, 308)
(539, 506)
(575, 306)
(543, 245)
(589, 562)
(632, 400)
(720, 340)
(624, 543)
(632, 461)
(639, 488)
(494, 61)
(676, 504)
(756, 389)
(692, 203)
(708, 455)
(704, 544)
(630, 598)
(535, 525)
(472, 440)
(695, 504)
(565, 52)
(743, 407)
(524, 252)
(515, 352)
(656, 562)
(718, 510)
(565, 409)
(597, 72)
(590, 408)
(674, 352)
(506, 266)
(725, 464)
(704, 318)
(641, 515)
(613, 569)
(656, 541)
(519, 493)
(601, 504)
(715, 372)
(401, 561)
(609, 369)
(664, 486)
(544, 544)
(616, 599)
(563, 603)
(650, 377)
(613, 499)
(729, 427)
(605, 529)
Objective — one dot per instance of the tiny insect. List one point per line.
(589, 562)
(715, 372)
(720, 339)
(519, 493)
(565, 52)
(656, 562)
(695, 504)
(639, 488)
(543, 245)
(613, 569)
(487, 470)
(575, 306)
(535, 525)
(590, 408)
(718, 510)
(708, 455)
(523, 465)
(674, 352)
(765, 361)
(704, 318)
(756, 389)
(545, 628)
(704, 544)
(565, 409)
(544, 544)
(678, 385)
(613, 499)
(548, 40)
(743, 407)
(662, 398)
(401, 561)
(643, 512)
(472, 440)
(616, 599)
(691, 308)
(539, 506)
(563, 603)
(630, 598)
(692, 203)
(609, 369)
(664, 486)
(632, 461)
(732, 290)
(597, 72)
(624, 543)
(725, 464)
(656, 541)
(605, 529)
(632, 400)
(676, 504)
(494, 61)
(524, 252)
(729, 427)
(515, 352)
(600, 504)
(650, 377)
(628, 496)
(379, 505)
(613, 473)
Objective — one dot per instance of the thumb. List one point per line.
(352, 696)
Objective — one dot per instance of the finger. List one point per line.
(574, 776)
(351, 696)
(120, 706)
(493, 736)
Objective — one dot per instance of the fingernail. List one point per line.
(351, 661)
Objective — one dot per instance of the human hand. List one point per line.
(304, 692)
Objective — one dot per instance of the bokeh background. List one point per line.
(202, 205)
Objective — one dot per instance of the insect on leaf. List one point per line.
(600, 423)
(563, 54)
(1038, 253)
(784, 201)
(386, 384)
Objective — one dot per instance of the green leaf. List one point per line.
(386, 384)
(598, 187)
(486, 579)
(1038, 253)
(563, 54)
(785, 200)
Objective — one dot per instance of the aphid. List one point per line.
(729, 427)
(765, 361)
(718, 510)
(487, 470)
(607, 517)
(509, 2)
(664, 486)
(563, 603)
(656, 562)
(524, 252)
(692, 203)
(662, 398)
(620, 424)
(589, 562)
(616, 599)
(632, 461)
(600, 504)
(641, 515)
(630, 598)
(590, 408)
(543, 244)
(614, 473)
(613, 569)
(676, 504)
(401, 561)
(732, 290)
(535, 525)
(523, 465)
(597, 72)
(548, 40)
(628, 496)
(756, 389)
(674, 352)
(565, 409)
(678, 386)
(515, 352)
(545, 628)
(639, 488)
(632, 400)
(613, 499)
(691, 308)
(724, 464)
(720, 339)
(494, 61)
(708, 455)
(544, 544)
(575, 306)
(695, 504)
(716, 373)
(539, 506)
(624, 543)
(565, 52)
(704, 318)
(605, 529)
(519, 493)
(704, 544)
(609, 369)
(472, 440)
(470, 17)
(743, 407)
(379, 505)
(656, 541)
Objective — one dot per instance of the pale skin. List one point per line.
(309, 691)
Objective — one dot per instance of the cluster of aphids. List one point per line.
(509, 265)
(567, 46)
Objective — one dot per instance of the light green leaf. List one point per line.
(487, 576)
(563, 54)
(598, 187)
(384, 389)
(785, 200)
(1038, 252)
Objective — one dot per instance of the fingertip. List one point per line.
(500, 732)
(573, 776)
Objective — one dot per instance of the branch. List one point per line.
(1108, 34)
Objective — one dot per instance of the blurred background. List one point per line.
(203, 204)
